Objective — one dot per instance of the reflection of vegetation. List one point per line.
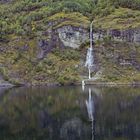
(40, 113)
(120, 108)
(33, 115)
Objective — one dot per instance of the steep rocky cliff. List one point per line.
(73, 36)
(128, 35)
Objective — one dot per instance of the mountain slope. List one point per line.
(36, 36)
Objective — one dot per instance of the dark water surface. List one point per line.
(60, 113)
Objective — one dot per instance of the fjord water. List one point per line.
(60, 113)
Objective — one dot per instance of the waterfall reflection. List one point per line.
(91, 112)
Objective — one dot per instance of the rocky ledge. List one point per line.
(74, 37)
(128, 35)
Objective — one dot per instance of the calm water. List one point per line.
(60, 113)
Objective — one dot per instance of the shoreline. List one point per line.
(107, 84)
(7, 85)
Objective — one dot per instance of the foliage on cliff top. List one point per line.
(32, 17)
(121, 18)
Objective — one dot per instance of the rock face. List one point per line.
(72, 36)
(129, 35)
(5, 1)
(45, 46)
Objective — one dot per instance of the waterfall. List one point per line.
(90, 57)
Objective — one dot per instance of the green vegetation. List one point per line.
(24, 22)
(118, 62)
(30, 17)
(121, 18)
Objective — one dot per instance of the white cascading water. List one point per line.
(90, 57)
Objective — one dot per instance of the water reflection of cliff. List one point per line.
(60, 113)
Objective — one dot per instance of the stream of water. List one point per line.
(90, 56)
